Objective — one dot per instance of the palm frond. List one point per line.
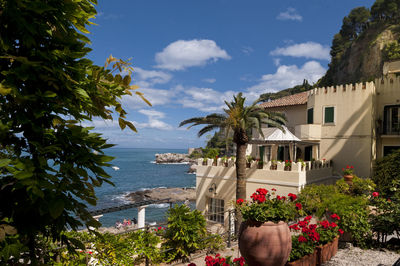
(207, 129)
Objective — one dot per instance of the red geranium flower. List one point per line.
(239, 201)
(375, 194)
(298, 206)
(302, 239)
(335, 216)
(292, 196)
(341, 231)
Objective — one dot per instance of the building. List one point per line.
(328, 128)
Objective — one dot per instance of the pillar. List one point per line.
(141, 216)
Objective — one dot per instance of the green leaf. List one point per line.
(56, 207)
(4, 162)
(122, 123)
(49, 94)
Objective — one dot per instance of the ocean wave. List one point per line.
(121, 198)
(159, 206)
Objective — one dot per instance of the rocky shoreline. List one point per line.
(175, 194)
(175, 158)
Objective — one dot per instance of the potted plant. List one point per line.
(260, 164)
(274, 165)
(249, 160)
(225, 160)
(303, 244)
(348, 174)
(215, 162)
(205, 159)
(288, 165)
(264, 225)
(313, 244)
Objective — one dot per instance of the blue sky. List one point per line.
(189, 56)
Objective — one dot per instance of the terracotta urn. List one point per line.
(265, 243)
(348, 179)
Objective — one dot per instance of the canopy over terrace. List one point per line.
(275, 137)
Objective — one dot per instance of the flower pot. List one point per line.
(226, 164)
(287, 168)
(307, 260)
(273, 167)
(265, 243)
(348, 179)
(204, 162)
(327, 251)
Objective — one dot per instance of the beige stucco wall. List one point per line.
(295, 114)
(225, 180)
(347, 141)
(387, 93)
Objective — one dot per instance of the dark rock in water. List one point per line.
(192, 168)
(175, 194)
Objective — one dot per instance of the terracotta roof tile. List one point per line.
(295, 99)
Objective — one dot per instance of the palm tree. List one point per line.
(241, 120)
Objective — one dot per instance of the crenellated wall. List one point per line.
(349, 139)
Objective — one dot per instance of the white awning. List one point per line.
(273, 134)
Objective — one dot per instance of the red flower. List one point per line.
(294, 227)
(302, 239)
(159, 228)
(335, 216)
(341, 231)
(262, 191)
(274, 189)
(347, 167)
(375, 194)
(240, 260)
(298, 206)
(389, 200)
(308, 218)
(351, 167)
(292, 196)
(239, 201)
(333, 225)
(192, 264)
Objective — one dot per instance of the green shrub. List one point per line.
(313, 196)
(211, 152)
(387, 169)
(353, 212)
(184, 233)
(196, 155)
(361, 186)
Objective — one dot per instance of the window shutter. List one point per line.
(329, 115)
(310, 116)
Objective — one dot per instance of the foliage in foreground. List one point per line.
(387, 170)
(185, 233)
(50, 162)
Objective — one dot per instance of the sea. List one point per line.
(134, 169)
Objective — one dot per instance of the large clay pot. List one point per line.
(348, 179)
(265, 243)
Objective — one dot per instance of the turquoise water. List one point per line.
(137, 171)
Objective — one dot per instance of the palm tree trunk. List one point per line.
(241, 170)
(240, 179)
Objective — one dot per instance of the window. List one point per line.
(329, 115)
(216, 210)
(392, 120)
(389, 149)
(310, 116)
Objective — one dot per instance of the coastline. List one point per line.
(175, 194)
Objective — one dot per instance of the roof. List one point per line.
(275, 134)
(295, 99)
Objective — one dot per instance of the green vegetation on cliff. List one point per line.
(367, 38)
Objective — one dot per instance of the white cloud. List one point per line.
(210, 80)
(155, 97)
(182, 54)
(148, 78)
(288, 76)
(154, 121)
(290, 14)
(308, 50)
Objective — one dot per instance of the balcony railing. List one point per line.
(271, 165)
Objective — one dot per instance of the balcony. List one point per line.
(308, 132)
(295, 176)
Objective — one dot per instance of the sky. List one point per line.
(190, 56)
